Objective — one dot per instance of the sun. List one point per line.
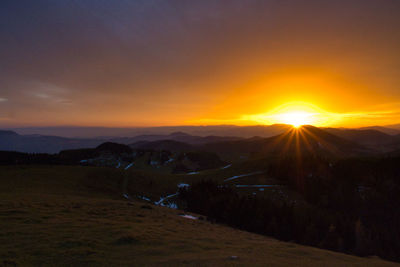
(296, 118)
(295, 113)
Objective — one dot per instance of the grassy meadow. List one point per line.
(63, 216)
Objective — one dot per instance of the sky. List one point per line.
(152, 63)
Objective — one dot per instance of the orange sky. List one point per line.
(206, 62)
(338, 101)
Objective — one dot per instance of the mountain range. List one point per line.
(11, 141)
(338, 141)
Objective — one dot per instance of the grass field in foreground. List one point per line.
(54, 220)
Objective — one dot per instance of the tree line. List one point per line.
(350, 205)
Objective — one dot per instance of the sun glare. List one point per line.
(296, 118)
(293, 113)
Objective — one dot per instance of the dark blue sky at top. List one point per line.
(61, 59)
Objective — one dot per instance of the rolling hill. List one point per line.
(371, 138)
(170, 145)
(11, 141)
(180, 141)
(390, 129)
(305, 140)
(56, 216)
(109, 133)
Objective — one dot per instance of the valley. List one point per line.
(267, 186)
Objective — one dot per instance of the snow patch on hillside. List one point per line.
(256, 185)
(189, 217)
(182, 185)
(226, 167)
(130, 165)
(242, 175)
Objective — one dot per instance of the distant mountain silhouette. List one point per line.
(106, 133)
(169, 145)
(384, 129)
(179, 134)
(7, 133)
(373, 139)
(364, 137)
(11, 141)
(393, 127)
(176, 136)
(310, 139)
(307, 139)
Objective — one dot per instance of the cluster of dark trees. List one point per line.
(65, 157)
(11, 158)
(198, 160)
(204, 161)
(351, 205)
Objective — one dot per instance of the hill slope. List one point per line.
(11, 141)
(307, 139)
(52, 216)
(369, 137)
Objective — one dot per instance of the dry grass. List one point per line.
(48, 217)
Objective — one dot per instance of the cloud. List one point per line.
(2, 99)
(50, 93)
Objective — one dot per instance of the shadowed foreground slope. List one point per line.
(48, 216)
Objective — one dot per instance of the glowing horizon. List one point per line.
(299, 113)
(293, 113)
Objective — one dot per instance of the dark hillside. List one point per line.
(52, 215)
(305, 140)
(170, 145)
(373, 139)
